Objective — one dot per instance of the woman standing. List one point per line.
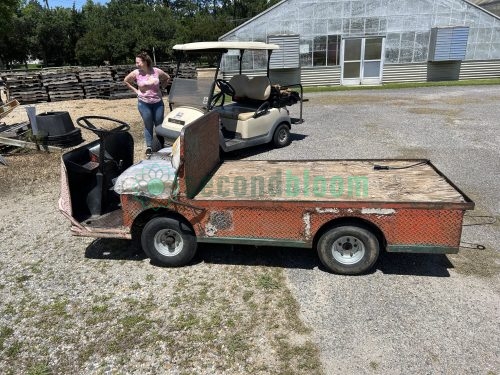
(149, 82)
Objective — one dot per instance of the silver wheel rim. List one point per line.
(282, 135)
(348, 250)
(168, 242)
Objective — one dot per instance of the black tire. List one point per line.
(281, 137)
(348, 250)
(168, 241)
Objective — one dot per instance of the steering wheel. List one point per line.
(85, 123)
(225, 87)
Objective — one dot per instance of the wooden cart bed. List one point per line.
(329, 180)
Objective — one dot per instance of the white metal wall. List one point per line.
(480, 69)
(404, 73)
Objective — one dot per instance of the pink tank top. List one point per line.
(149, 86)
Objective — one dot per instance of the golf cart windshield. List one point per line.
(190, 92)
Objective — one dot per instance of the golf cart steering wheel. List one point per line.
(85, 122)
(225, 87)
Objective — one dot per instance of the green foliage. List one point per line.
(116, 31)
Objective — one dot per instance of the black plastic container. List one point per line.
(57, 129)
(54, 123)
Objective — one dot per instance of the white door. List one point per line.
(362, 61)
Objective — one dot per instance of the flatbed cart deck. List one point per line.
(345, 209)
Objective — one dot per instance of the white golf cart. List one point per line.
(252, 110)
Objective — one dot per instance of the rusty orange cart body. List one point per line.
(348, 210)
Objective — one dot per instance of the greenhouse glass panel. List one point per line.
(485, 34)
(442, 20)
(392, 45)
(395, 24)
(472, 18)
(485, 20)
(473, 34)
(495, 50)
(371, 25)
(247, 62)
(357, 8)
(335, 26)
(346, 11)
(421, 49)
(407, 45)
(357, 26)
(334, 10)
(321, 10)
(306, 28)
(383, 25)
(496, 34)
(260, 59)
(231, 62)
(374, 8)
(320, 27)
(412, 7)
(305, 52)
(482, 51)
(307, 12)
(319, 58)
(346, 26)
(351, 69)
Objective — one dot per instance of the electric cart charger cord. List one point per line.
(378, 167)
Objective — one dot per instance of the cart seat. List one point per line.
(250, 95)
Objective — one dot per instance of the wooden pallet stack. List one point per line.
(119, 90)
(26, 87)
(62, 84)
(97, 82)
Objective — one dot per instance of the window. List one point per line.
(319, 54)
(333, 49)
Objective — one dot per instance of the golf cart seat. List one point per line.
(250, 99)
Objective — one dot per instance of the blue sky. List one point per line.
(69, 3)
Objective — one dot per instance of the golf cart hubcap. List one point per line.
(348, 250)
(168, 242)
(282, 135)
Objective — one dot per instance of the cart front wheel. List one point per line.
(168, 242)
(348, 250)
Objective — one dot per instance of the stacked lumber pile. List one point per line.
(62, 84)
(26, 87)
(97, 82)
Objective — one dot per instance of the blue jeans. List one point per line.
(152, 115)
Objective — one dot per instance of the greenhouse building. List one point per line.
(352, 42)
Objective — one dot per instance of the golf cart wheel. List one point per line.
(281, 136)
(168, 241)
(348, 250)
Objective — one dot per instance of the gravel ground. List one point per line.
(73, 305)
(422, 314)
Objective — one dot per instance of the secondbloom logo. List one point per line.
(286, 184)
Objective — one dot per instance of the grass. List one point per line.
(405, 85)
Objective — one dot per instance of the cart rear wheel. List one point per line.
(281, 137)
(348, 250)
(168, 241)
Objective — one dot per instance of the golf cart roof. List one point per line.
(204, 46)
